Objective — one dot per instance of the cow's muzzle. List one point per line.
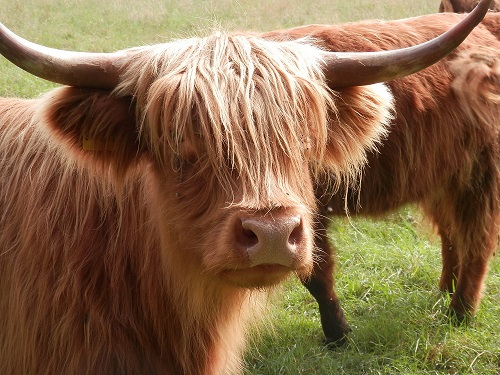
(270, 245)
(270, 239)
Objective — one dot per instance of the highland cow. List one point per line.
(148, 207)
(442, 153)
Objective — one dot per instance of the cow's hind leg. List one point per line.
(477, 244)
(475, 232)
(456, 273)
(468, 219)
(321, 286)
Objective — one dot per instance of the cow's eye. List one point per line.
(183, 161)
(186, 156)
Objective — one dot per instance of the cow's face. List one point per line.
(234, 131)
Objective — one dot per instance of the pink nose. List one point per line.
(271, 239)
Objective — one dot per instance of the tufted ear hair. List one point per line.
(93, 126)
(361, 122)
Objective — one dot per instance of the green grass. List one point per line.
(387, 276)
(387, 271)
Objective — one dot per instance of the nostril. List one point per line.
(296, 235)
(246, 237)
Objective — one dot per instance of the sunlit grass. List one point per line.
(387, 282)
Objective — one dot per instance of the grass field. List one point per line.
(387, 270)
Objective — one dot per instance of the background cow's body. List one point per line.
(442, 152)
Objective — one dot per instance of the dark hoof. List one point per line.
(459, 318)
(335, 343)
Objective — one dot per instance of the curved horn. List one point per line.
(91, 70)
(102, 70)
(344, 69)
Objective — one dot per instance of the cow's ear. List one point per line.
(360, 123)
(92, 125)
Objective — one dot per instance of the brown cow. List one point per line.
(442, 153)
(146, 211)
(464, 6)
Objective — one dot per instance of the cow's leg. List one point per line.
(467, 295)
(468, 219)
(450, 261)
(477, 238)
(321, 286)
(475, 231)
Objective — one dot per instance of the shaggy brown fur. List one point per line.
(464, 6)
(124, 259)
(442, 152)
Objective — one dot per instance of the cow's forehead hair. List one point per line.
(260, 106)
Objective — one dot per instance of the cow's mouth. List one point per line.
(261, 276)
